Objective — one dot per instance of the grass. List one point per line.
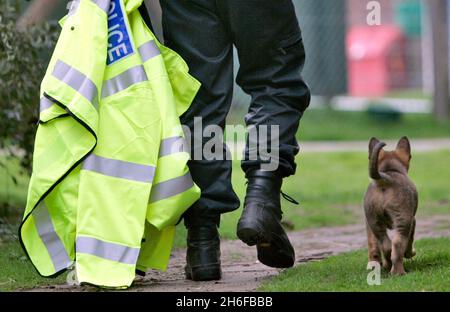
(329, 125)
(416, 94)
(12, 193)
(321, 124)
(17, 272)
(428, 271)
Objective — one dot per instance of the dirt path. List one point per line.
(242, 272)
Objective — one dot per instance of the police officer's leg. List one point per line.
(194, 30)
(271, 54)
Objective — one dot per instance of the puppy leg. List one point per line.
(399, 244)
(386, 248)
(373, 247)
(379, 245)
(410, 251)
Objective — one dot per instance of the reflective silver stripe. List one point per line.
(50, 238)
(103, 4)
(171, 188)
(119, 169)
(172, 145)
(123, 81)
(72, 6)
(45, 104)
(148, 50)
(106, 250)
(77, 81)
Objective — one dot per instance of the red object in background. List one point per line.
(376, 60)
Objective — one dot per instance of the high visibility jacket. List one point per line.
(110, 177)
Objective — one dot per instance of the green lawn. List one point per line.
(327, 124)
(428, 271)
(12, 193)
(17, 272)
(406, 94)
(318, 124)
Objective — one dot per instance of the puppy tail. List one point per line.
(373, 162)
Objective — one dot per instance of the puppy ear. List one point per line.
(404, 146)
(373, 142)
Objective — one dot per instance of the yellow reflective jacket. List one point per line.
(110, 179)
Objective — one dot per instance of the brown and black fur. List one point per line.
(390, 203)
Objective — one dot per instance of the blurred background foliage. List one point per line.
(24, 55)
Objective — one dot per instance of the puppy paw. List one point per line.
(410, 254)
(397, 271)
(387, 265)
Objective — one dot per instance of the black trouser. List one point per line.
(271, 54)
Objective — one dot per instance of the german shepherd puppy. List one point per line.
(390, 203)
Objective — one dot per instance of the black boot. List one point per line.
(203, 252)
(260, 223)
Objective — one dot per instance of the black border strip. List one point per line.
(58, 117)
(69, 113)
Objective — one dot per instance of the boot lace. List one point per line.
(289, 198)
(286, 197)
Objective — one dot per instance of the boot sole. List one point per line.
(268, 253)
(250, 236)
(205, 273)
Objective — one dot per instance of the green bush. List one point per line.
(24, 57)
